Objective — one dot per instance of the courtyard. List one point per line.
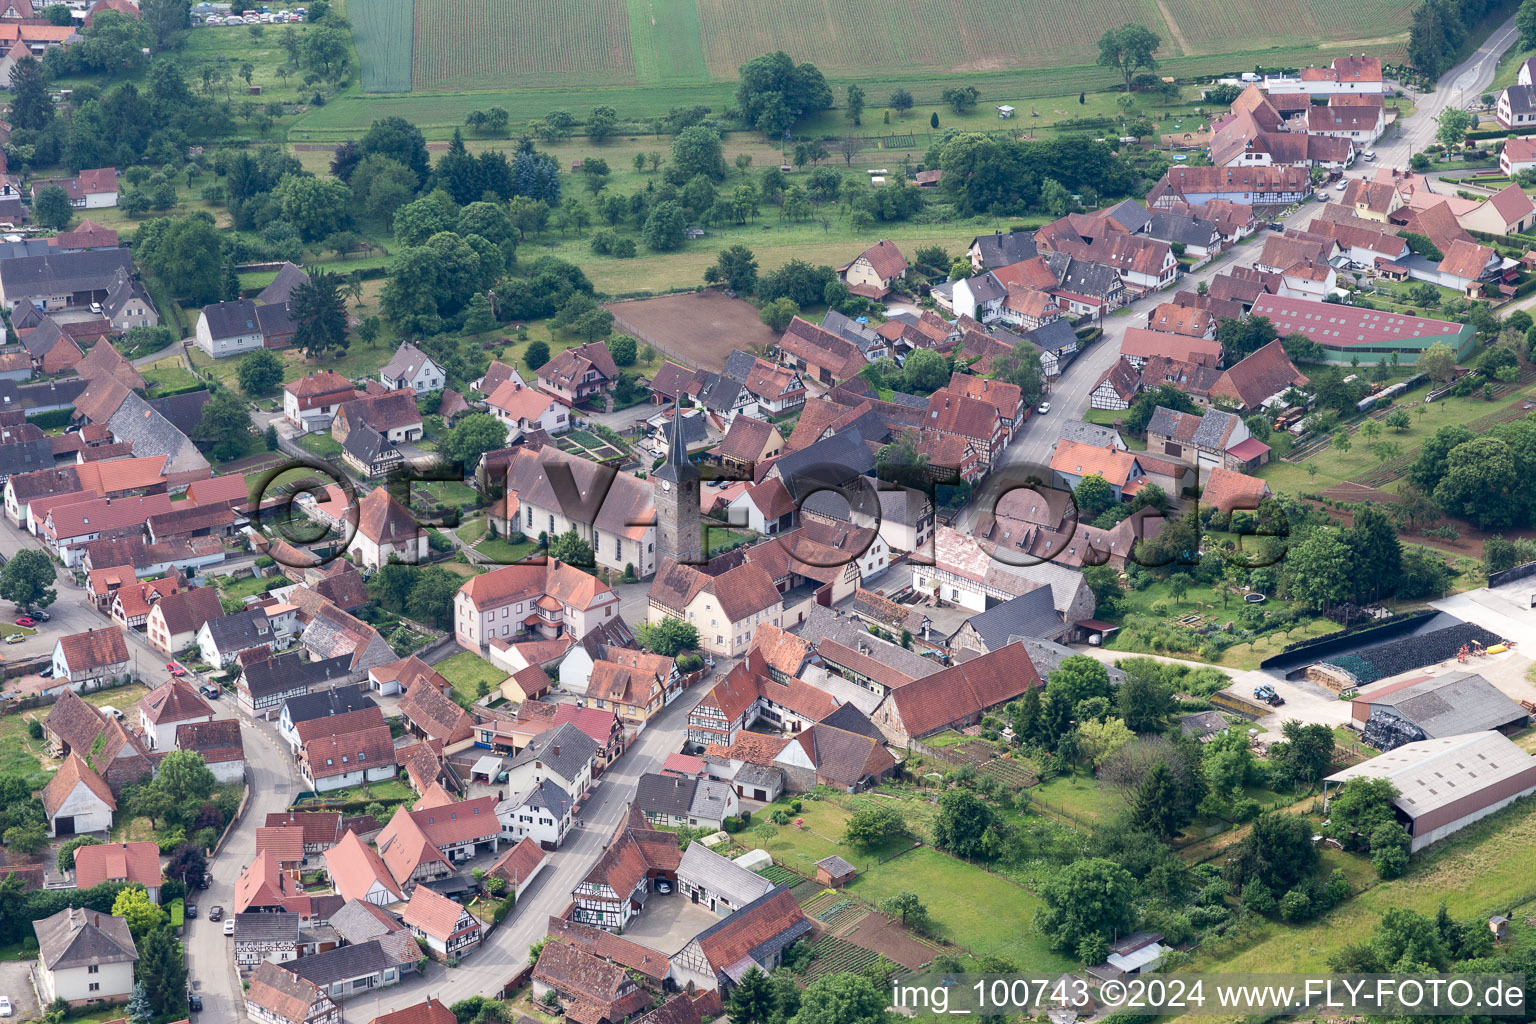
(669, 922)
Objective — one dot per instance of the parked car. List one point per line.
(191, 909)
(5, 1006)
(40, 614)
(229, 927)
(27, 621)
(1045, 407)
(175, 669)
(209, 690)
(1341, 186)
(215, 912)
(195, 1003)
(15, 638)
(46, 671)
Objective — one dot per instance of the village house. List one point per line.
(358, 873)
(265, 938)
(370, 453)
(955, 696)
(875, 271)
(526, 409)
(754, 936)
(819, 353)
(218, 743)
(330, 705)
(564, 756)
(542, 817)
(220, 639)
(431, 715)
(1259, 379)
(670, 801)
(137, 863)
(228, 328)
(1518, 155)
(393, 414)
(69, 528)
(410, 367)
(580, 374)
(725, 608)
(276, 996)
(77, 801)
(1508, 211)
(448, 929)
(94, 189)
(85, 661)
(424, 845)
(530, 602)
(310, 403)
(750, 693)
(168, 706)
(386, 530)
(130, 605)
(330, 761)
(265, 684)
(583, 985)
(83, 957)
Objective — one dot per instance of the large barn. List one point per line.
(1428, 707)
(1447, 783)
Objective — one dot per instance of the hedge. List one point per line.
(52, 418)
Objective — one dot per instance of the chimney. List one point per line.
(555, 750)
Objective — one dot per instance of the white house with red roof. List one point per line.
(385, 530)
(358, 873)
(1519, 155)
(172, 703)
(311, 402)
(448, 929)
(524, 409)
(875, 271)
(94, 189)
(138, 863)
(526, 601)
(1348, 74)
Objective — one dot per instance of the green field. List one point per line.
(466, 670)
(554, 45)
(383, 32)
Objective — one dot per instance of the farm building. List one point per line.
(1423, 707)
(1447, 783)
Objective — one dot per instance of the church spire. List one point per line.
(678, 466)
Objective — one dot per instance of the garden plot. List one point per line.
(589, 445)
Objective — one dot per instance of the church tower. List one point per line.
(675, 494)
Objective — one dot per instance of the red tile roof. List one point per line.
(117, 862)
(1143, 344)
(284, 842)
(885, 259)
(433, 913)
(174, 701)
(610, 947)
(217, 742)
(519, 863)
(67, 778)
(1261, 374)
(95, 648)
(752, 926)
(430, 1012)
(1226, 490)
(931, 703)
(320, 827)
(354, 866)
(349, 752)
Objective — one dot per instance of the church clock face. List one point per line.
(666, 485)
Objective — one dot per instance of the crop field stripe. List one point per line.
(382, 31)
(664, 38)
(485, 44)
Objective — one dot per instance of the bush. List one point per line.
(1295, 906)
(34, 728)
(779, 817)
(731, 824)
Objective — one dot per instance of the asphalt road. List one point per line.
(1459, 86)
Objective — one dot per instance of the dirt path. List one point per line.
(1173, 28)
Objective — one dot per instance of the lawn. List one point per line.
(503, 551)
(968, 906)
(388, 792)
(250, 587)
(1335, 466)
(323, 445)
(1079, 796)
(169, 375)
(466, 670)
(446, 492)
(1480, 871)
(471, 530)
(800, 848)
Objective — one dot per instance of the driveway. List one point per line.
(16, 983)
(668, 923)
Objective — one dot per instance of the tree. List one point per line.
(1277, 852)
(773, 92)
(1094, 497)
(1451, 127)
(871, 825)
(961, 99)
(924, 372)
(259, 372)
(398, 139)
(31, 100)
(27, 580)
(1054, 198)
(1020, 366)
(1376, 557)
(602, 123)
(29, 837)
(537, 355)
(777, 314)
(1439, 362)
(901, 101)
(1099, 739)
(1091, 896)
(962, 825)
(1144, 699)
(664, 227)
(224, 427)
(186, 254)
(933, 120)
(1525, 22)
(855, 111)
(1304, 755)
(51, 208)
(1128, 49)
(184, 776)
(906, 904)
(319, 314)
(751, 1001)
(188, 864)
(1317, 571)
(165, 18)
(668, 638)
(622, 349)
(471, 437)
(1358, 808)
(570, 548)
(316, 206)
(139, 1008)
(736, 268)
(842, 999)
(695, 151)
(133, 905)
(163, 970)
(1156, 807)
